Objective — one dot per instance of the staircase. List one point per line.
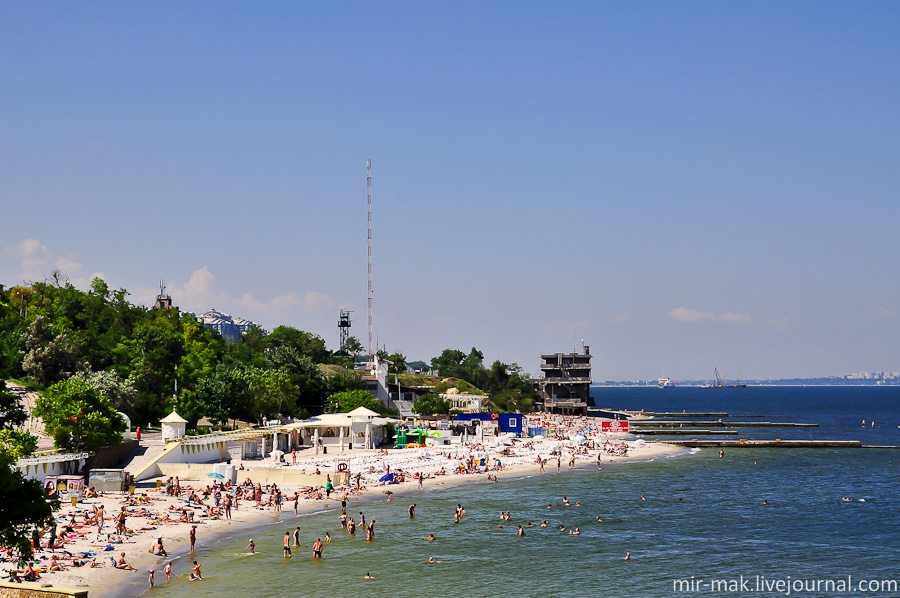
(146, 453)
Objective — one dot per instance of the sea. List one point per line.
(757, 522)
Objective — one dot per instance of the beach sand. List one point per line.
(373, 464)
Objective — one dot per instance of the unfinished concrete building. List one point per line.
(566, 385)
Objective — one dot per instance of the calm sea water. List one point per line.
(720, 530)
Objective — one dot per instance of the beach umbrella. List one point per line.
(342, 439)
(386, 477)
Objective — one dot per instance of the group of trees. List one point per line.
(144, 362)
(23, 505)
(507, 385)
(96, 349)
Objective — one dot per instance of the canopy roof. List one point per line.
(173, 418)
(362, 412)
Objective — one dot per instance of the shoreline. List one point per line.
(108, 582)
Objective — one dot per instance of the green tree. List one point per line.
(14, 442)
(349, 400)
(432, 404)
(120, 393)
(306, 344)
(398, 363)
(226, 394)
(190, 407)
(78, 417)
(23, 506)
(352, 347)
(305, 375)
(274, 393)
(50, 357)
(342, 380)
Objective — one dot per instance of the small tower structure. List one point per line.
(344, 327)
(163, 301)
(173, 426)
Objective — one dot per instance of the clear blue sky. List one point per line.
(682, 185)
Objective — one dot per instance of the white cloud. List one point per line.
(734, 317)
(692, 316)
(201, 293)
(621, 318)
(34, 262)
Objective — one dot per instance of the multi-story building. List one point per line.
(566, 385)
(230, 328)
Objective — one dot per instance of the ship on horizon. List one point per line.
(720, 382)
(665, 382)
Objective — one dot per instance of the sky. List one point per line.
(683, 186)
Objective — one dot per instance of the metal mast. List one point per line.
(369, 196)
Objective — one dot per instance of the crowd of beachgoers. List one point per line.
(106, 536)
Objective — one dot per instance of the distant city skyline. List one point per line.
(682, 186)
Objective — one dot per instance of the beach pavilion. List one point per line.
(332, 428)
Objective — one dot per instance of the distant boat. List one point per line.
(720, 382)
(665, 382)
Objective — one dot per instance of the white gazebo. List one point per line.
(173, 426)
(367, 433)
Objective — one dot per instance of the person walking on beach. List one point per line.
(558, 462)
(297, 536)
(193, 536)
(287, 544)
(152, 573)
(540, 463)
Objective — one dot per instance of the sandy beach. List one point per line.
(154, 514)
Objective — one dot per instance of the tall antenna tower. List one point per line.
(369, 196)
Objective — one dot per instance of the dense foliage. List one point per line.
(23, 505)
(432, 404)
(508, 387)
(78, 417)
(347, 401)
(136, 358)
(144, 362)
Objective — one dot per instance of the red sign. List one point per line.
(614, 427)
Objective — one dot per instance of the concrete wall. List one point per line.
(181, 453)
(262, 475)
(41, 470)
(27, 590)
(112, 457)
